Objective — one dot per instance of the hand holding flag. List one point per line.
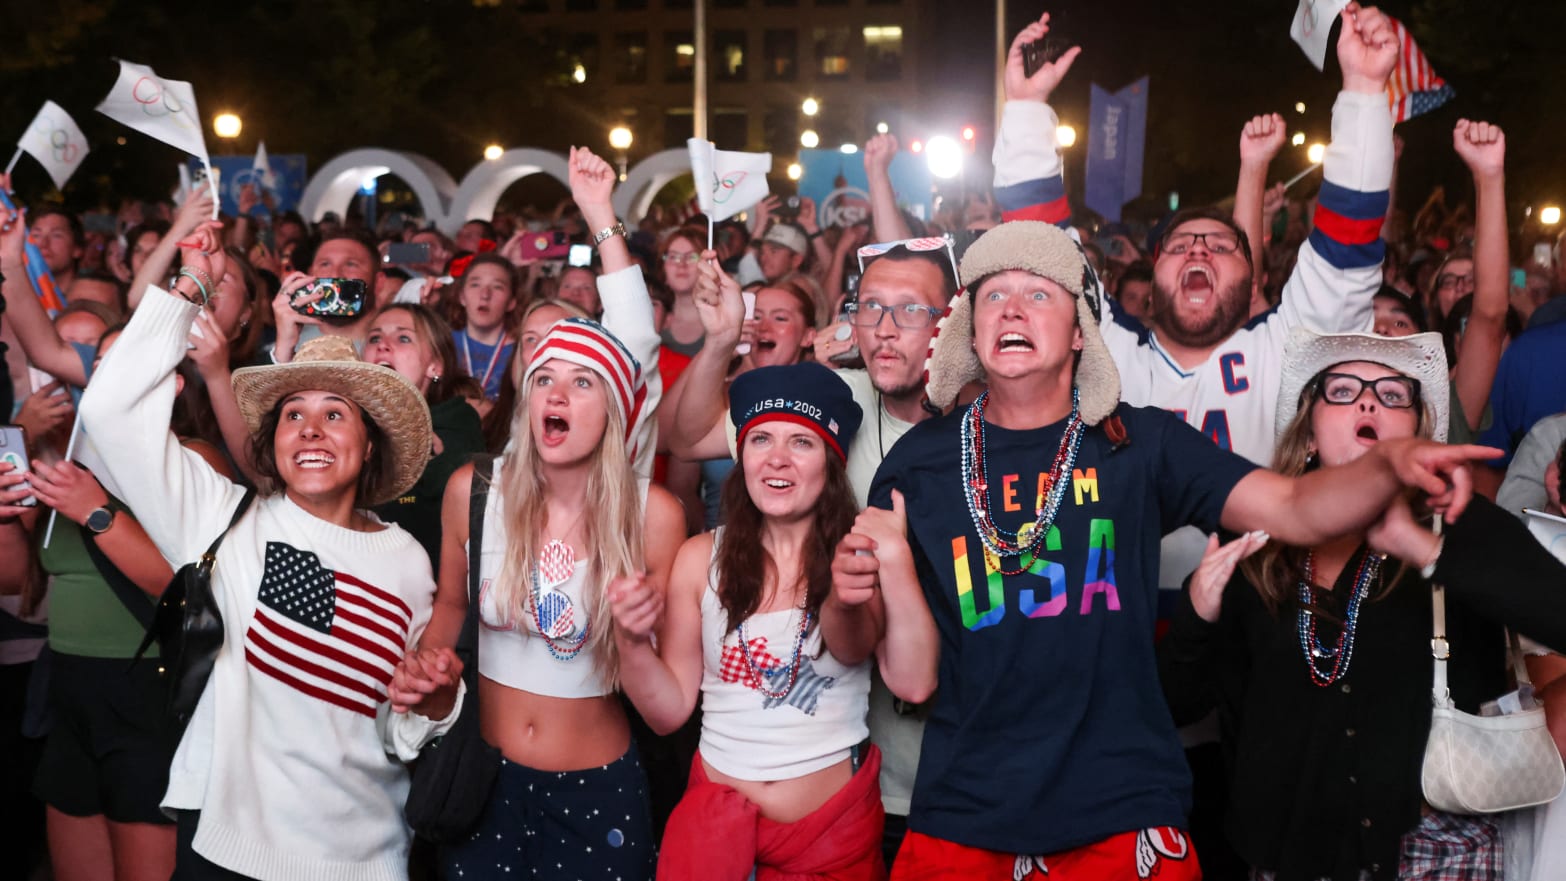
(55, 141)
(727, 182)
(1312, 26)
(161, 108)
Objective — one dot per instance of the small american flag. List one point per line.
(325, 634)
(732, 666)
(1414, 87)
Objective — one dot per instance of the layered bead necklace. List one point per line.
(1317, 656)
(552, 609)
(976, 489)
(758, 674)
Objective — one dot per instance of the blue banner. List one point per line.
(837, 182)
(287, 182)
(1117, 135)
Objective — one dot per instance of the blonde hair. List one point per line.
(1276, 568)
(612, 530)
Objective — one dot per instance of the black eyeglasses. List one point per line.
(909, 316)
(1451, 280)
(1219, 242)
(1394, 392)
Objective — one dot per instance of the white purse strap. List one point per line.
(1441, 649)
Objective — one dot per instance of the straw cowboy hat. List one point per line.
(330, 363)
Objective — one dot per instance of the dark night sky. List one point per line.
(322, 76)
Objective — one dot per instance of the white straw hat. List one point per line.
(1421, 356)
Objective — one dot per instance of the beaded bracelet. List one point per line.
(201, 288)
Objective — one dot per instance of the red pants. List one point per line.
(716, 834)
(1163, 853)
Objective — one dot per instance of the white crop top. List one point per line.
(514, 652)
(753, 725)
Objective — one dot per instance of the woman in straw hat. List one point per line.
(291, 766)
(570, 524)
(1319, 659)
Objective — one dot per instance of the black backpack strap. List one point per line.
(205, 562)
(478, 500)
(138, 602)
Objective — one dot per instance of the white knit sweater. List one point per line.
(293, 757)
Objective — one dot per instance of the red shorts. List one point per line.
(1163, 853)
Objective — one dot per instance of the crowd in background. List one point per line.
(687, 355)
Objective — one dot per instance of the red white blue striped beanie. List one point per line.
(588, 344)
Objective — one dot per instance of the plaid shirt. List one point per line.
(1443, 847)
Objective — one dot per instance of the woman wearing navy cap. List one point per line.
(785, 777)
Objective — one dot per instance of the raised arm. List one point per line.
(1339, 267)
(180, 500)
(1483, 149)
(889, 225)
(196, 210)
(25, 315)
(1260, 141)
(628, 312)
(698, 421)
(1028, 180)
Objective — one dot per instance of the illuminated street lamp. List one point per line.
(1550, 215)
(1298, 139)
(944, 157)
(493, 152)
(227, 125)
(1065, 135)
(809, 139)
(795, 171)
(1314, 153)
(1299, 107)
(620, 139)
(810, 107)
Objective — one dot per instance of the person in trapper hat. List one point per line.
(1048, 750)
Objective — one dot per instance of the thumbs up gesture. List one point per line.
(879, 537)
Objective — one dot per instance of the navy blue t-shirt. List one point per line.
(1049, 729)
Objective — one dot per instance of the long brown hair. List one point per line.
(1277, 567)
(743, 563)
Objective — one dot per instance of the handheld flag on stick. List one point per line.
(38, 274)
(262, 167)
(727, 182)
(161, 108)
(1312, 27)
(1414, 87)
(55, 141)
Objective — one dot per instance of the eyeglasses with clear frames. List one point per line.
(908, 316)
(1394, 392)
(1221, 242)
(689, 259)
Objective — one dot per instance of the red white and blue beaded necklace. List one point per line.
(976, 490)
(1318, 656)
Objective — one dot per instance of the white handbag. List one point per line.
(1485, 764)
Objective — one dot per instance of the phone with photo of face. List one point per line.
(13, 452)
(339, 298)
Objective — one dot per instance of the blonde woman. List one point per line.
(570, 520)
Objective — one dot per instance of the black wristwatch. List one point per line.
(99, 521)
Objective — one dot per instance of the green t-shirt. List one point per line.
(86, 618)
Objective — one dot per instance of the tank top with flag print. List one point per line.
(754, 726)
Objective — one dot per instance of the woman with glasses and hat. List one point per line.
(292, 764)
(1319, 658)
(784, 777)
(570, 522)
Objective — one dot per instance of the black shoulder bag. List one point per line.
(187, 624)
(454, 775)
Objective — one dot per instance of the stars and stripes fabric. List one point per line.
(1414, 87)
(807, 690)
(325, 634)
(591, 345)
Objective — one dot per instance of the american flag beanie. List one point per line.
(589, 344)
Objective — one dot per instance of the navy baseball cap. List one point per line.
(806, 394)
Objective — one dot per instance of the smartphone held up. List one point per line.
(330, 298)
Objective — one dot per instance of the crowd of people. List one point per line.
(728, 559)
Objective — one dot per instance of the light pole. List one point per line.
(620, 139)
